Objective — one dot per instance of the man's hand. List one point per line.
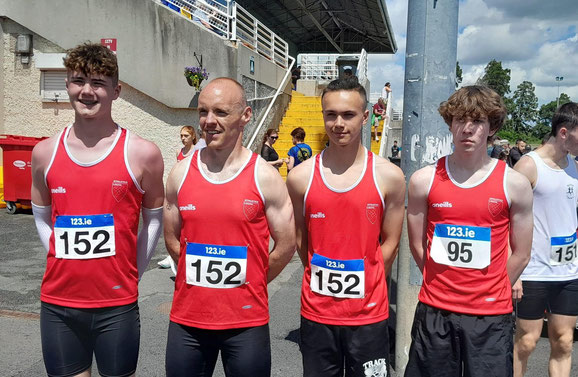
(517, 291)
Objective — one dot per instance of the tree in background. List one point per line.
(525, 108)
(496, 77)
(459, 74)
(545, 114)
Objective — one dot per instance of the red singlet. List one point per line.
(344, 281)
(221, 278)
(468, 232)
(181, 156)
(95, 211)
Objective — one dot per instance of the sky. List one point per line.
(536, 39)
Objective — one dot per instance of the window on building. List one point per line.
(53, 86)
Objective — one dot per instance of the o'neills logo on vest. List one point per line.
(318, 215)
(442, 205)
(371, 212)
(58, 190)
(119, 189)
(250, 208)
(188, 207)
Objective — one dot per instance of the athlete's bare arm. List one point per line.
(146, 162)
(521, 222)
(172, 221)
(297, 182)
(527, 167)
(417, 213)
(41, 155)
(391, 182)
(279, 213)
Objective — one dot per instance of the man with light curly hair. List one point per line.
(469, 221)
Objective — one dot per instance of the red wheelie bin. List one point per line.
(17, 155)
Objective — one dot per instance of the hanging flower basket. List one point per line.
(195, 76)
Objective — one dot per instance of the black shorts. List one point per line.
(329, 349)
(556, 297)
(451, 344)
(70, 336)
(193, 352)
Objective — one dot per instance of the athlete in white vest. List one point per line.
(550, 281)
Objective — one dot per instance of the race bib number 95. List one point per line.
(337, 278)
(461, 246)
(84, 237)
(216, 266)
(563, 250)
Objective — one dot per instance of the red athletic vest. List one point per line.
(344, 280)
(468, 234)
(181, 156)
(221, 278)
(88, 201)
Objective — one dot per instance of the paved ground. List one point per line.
(21, 268)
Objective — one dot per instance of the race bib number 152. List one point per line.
(84, 237)
(337, 278)
(216, 266)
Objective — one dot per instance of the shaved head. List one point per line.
(228, 84)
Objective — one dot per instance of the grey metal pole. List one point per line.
(430, 74)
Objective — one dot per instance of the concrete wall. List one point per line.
(154, 44)
(24, 113)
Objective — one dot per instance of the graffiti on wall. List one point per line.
(432, 149)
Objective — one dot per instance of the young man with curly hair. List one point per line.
(464, 212)
(89, 185)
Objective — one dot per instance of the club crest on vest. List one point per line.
(570, 191)
(250, 208)
(495, 206)
(371, 212)
(119, 189)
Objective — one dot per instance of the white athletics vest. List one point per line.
(554, 253)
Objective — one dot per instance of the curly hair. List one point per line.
(92, 58)
(473, 102)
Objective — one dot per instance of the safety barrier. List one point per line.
(229, 20)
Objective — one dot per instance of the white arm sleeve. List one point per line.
(43, 220)
(148, 237)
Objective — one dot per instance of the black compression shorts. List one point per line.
(556, 297)
(70, 336)
(193, 352)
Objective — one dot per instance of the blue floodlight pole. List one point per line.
(430, 76)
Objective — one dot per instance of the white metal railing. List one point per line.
(386, 126)
(229, 20)
(319, 66)
(252, 33)
(212, 14)
(323, 67)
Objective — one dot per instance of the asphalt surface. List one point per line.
(22, 261)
